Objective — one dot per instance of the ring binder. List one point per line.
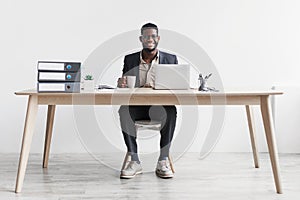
(59, 76)
(59, 87)
(58, 66)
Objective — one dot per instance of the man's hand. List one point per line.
(147, 85)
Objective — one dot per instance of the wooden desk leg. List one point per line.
(29, 126)
(49, 128)
(252, 135)
(171, 164)
(270, 136)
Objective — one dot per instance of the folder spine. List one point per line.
(59, 66)
(53, 87)
(59, 76)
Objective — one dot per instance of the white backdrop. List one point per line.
(253, 43)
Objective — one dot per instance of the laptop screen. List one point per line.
(172, 76)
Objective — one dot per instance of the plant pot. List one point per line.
(88, 85)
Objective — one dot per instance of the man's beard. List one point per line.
(150, 50)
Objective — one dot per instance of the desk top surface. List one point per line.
(151, 92)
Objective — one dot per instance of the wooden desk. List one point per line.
(146, 96)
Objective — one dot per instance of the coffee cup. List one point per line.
(131, 81)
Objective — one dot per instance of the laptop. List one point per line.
(172, 77)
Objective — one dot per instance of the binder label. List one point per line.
(52, 76)
(52, 66)
(52, 87)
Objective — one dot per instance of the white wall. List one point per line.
(252, 42)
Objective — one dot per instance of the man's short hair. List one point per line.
(147, 26)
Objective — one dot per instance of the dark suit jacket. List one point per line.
(132, 63)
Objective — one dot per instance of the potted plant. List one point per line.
(88, 83)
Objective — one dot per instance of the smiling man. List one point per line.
(140, 64)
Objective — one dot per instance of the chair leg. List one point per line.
(171, 164)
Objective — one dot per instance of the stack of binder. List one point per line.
(59, 77)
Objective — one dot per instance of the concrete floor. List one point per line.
(219, 176)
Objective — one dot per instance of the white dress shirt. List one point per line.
(147, 71)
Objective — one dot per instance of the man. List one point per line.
(140, 64)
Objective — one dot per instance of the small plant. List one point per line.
(88, 77)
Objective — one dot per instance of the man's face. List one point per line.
(149, 39)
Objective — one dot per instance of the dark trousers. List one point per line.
(165, 114)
